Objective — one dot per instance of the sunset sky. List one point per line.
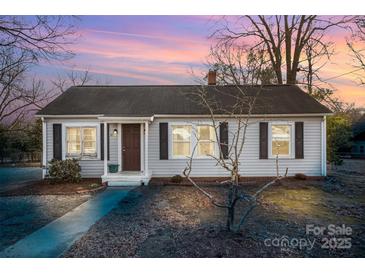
(131, 50)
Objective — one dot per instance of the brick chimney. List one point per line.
(212, 78)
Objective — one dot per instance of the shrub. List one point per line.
(300, 176)
(65, 170)
(177, 179)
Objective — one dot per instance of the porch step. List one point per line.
(125, 183)
(126, 180)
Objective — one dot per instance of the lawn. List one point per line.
(50, 187)
(177, 221)
(25, 209)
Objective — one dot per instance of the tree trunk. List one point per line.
(230, 218)
(230, 209)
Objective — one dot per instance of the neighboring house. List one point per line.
(150, 130)
(358, 147)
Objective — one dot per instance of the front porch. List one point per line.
(126, 142)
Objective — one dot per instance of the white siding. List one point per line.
(113, 145)
(251, 165)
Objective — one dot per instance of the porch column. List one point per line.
(44, 148)
(105, 149)
(324, 146)
(146, 148)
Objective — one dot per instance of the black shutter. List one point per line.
(164, 141)
(263, 140)
(102, 141)
(223, 139)
(299, 140)
(108, 142)
(57, 141)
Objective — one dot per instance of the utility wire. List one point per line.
(343, 74)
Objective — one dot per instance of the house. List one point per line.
(149, 131)
(358, 147)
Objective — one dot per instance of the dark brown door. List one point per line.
(131, 147)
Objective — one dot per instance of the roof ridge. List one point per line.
(182, 85)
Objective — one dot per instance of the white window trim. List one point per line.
(171, 155)
(193, 140)
(292, 139)
(82, 125)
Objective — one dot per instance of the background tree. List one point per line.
(24, 42)
(34, 140)
(339, 133)
(235, 69)
(22, 143)
(73, 77)
(357, 47)
(285, 39)
(296, 47)
(240, 65)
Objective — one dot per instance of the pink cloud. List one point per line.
(131, 48)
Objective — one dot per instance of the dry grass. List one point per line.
(46, 187)
(173, 221)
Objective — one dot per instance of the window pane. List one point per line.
(73, 148)
(89, 140)
(280, 148)
(280, 139)
(181, 133)
(204, 133)
(73, 134)
(181, 149)
(73, 140)
(89, 147)
(89, 134)
(206, 138)
(280, 131)
(206, 148)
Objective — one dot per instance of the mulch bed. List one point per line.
(217, 181)
(178, 221)
(48, 187)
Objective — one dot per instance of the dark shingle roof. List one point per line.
(175, 100)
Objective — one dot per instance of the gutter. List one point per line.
(151, 118)
(243, 115)
(69, 116)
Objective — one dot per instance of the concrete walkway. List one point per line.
(58, 236)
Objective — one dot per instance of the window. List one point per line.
(181, 140)
(281, 140)
(81, 141)
(206, 140)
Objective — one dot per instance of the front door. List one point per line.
(131, 147)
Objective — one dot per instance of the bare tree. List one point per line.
(286, 40)
(37, 37)
(71, 78)
(357, 48)
(17, 98)
(25, 41)
(240, 64)
(243, 95)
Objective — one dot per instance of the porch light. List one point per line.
(115, 132)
